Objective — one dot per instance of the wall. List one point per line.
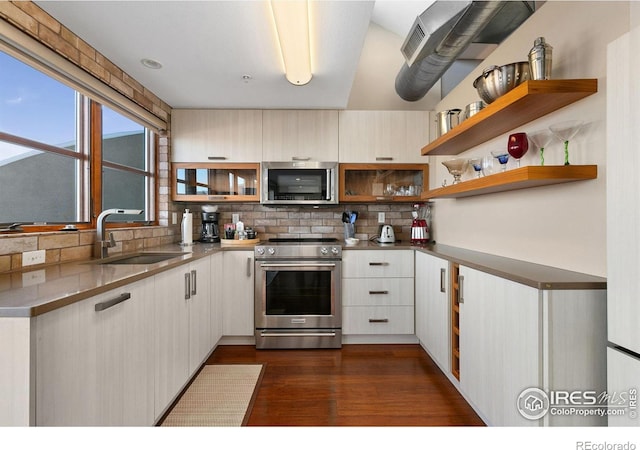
(564, 225)
(29, 18)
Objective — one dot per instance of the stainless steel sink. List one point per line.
(139, 258)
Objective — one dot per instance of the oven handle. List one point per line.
(263, 334)
(298, 265)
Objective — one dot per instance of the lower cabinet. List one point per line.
(622, 384)
(237, 293)
(433, 307)
(94, 360)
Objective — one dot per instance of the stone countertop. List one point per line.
(33, 292)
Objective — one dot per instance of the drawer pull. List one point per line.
(194, 277)
(443, 273)
(378, 320)
(378, 292)
(109, 303)
(216, 158)
(378, 263)
(460, 289)
(187, 286)
(384, 158)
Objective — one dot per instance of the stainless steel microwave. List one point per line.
(299, 183)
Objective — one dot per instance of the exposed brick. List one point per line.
(132, 82)
(139, 98)
(47, 241)
(56, 42)
(39, 15)
(18, 17)
(120, 86)
(93, 67)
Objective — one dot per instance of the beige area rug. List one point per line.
(220, 396)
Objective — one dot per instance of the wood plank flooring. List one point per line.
(358, 385)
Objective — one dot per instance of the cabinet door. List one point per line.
(433, 323)
(499, 345)
(300, 135)
(215, 182)
(171, 335)
(237, 304)
(216, 135)
(623, 373)
(217, 296)
(383, 136)
(94, 367)
(199, 313)
(377, 264)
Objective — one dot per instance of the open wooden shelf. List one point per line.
(510, 180)
(526, 102)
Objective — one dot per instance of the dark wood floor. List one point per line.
(359, 385)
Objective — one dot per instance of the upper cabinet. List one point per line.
(299, 135)
(383, 136)
(216, 135)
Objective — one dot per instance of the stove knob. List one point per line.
(271, 251)
(335, 250)
(260, 250)
(324, 251)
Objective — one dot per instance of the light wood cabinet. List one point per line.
(217, 297)
(215, 182)
(383, 136)
(377, 292)
(94, 360)
(365, 183)
(210, 135)
(623, 373)
(199, 313)
(238, 293)
(300, 135)
(433, 307)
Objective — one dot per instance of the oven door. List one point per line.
(298, 295)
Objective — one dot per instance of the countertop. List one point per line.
(33, 292)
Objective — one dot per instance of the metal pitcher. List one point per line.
(446, 120)
(540, 60)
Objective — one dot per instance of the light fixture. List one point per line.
(292, 25)
(150, 63)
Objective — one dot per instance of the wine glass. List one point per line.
(503, 158)
(540, 139)
(487, 165)
(517, 146)
(476, 163)
(566, 131)
(456, 167)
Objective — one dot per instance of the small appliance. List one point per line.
(299, 183)
(210, 231)
(387, 236)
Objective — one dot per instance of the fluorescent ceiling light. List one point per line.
(292, 25)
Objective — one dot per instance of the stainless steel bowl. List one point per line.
(496, 81)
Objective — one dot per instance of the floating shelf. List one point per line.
(511, 180)
(526, 102)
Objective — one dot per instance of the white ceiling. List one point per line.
(206, 47)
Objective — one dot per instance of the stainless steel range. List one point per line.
(297, 294)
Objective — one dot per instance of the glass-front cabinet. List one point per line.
(383, 182)
(219, 182)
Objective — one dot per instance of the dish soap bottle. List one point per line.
(187, 228)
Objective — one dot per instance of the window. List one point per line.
(64, 157)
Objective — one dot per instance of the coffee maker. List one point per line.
(210, 230)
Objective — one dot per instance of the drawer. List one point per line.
(377, 320)
(377, 264)
(377, 292)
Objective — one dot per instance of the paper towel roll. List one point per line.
(187, 228)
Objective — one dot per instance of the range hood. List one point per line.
(444, 31)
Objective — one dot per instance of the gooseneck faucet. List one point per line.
(101, 246)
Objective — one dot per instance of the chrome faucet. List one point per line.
(101, 245)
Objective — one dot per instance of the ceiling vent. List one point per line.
(444, 30)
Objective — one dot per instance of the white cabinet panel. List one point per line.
(623, 378)
(377, 291)
(209, 135)
(238, 288)
(377, 320)
(383, 136)
(300, 135)
(433, 323)
(377, 264)
(217, 295)
(199, 313)
(94, 367)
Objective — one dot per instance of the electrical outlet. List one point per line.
(174, 218)
(34, 257)
(380, 217)
(235, 218)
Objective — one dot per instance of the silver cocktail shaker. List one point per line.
(540, 60)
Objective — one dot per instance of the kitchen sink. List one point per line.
(139, 258)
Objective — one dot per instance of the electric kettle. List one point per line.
(387, 236)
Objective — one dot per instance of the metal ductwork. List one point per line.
(442, 33)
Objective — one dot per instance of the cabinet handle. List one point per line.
(187, 286)
(194, 278)
(109, 303)
(216, 158)
(378, 320)
(378, 263)
(378, 292)
(216, 197)
(460, 289)
(384, 158)
(248, 267)
(300, 158)
(443, 273)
